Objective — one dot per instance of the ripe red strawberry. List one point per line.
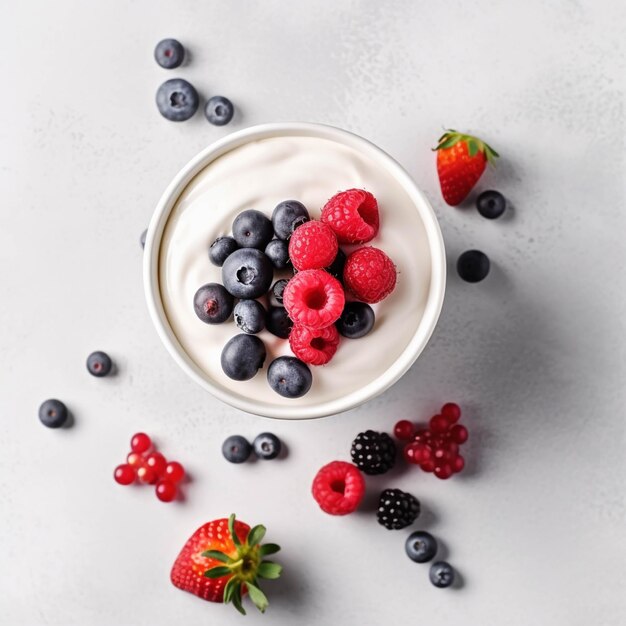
(223, 560)
(461, 160)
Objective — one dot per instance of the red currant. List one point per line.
(124, 474)
(147, 475)
(410, 451)
(451, 447)
(136, 460)
(174, 471)
(140, 443)
(451, 411)
(443, 471)
(439, 424)
(404, 430)
(458, 464)
(458, 433)
(422, 435)
(428, 466)
(156, 461)
(165, 490)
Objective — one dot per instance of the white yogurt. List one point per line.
(258, 175)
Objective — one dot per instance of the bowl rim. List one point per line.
(414, 347)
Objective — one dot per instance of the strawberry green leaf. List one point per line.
(269, 570)
(217, 555)
(258, 597)
(218, 572)
(231, 530)
(448, 142)
(268, 548)
(255, 536)
(472, 147)
(236, 599)
(229, 590)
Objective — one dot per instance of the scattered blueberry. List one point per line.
(278, 322)
(421, 546)
(252, 229)
(213, 304)
(221, 249)
(169, 53)
(287, 216)
(336, 268)
(277, 251)
(266, 446)
(247, 273)
(250, 316)
(276, 292)
(441, 574)
(219, 110)
(243, 356)
(99, 364)
(357, 319)
(53, 413)
(142, 239)
(177, 100)
(491, 204)
(289, 377)
(236, 449)
(473, 266)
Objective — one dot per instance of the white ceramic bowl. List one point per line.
(379, 377)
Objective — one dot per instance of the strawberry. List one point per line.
(461, 160)
(223, 560)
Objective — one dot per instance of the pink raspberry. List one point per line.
(338, 488)
(369, 274)
(316, 347)
(312, 246)
(314, 298)
(353, 215)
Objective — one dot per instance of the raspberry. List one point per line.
(338, 488)
(314, 299)
(369, 274)
(313, 246)
(316, 347)
(353, 215)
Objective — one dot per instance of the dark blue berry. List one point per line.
(287, 216)
(169, 53)
(243, 356)
(221, 249)
(336, 268)
(247, 273)
(289, 377)
(236, 449)
(491, 204)
(142, 239)
(421, 546)
(219, 110)
(473, 266)
(276, 292)
(441, 574)
(53, 413)
(252, 229)
(213, 304)
(177, 100)
(250, 316)
(277, 251)
(267, 446)
(99, 364)
(278, 322)
(357, 319)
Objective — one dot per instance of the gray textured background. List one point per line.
(535, 354)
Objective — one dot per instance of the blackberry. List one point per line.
(373, 453)
(397, 509)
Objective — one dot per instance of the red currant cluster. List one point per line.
(150, 467)
(436, 448)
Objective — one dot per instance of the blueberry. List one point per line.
(53, 413)
(277, 251)
(357, 319)
(177, 100)
(219, 110)
(276, 292)
(278, 322)
(243, 356)
(236, 449)
(473, 266)
(213, 304)
(336, 268)
(491, 204)
(142, 239)
(99, 364)
(266, 446)
(289, 377)
(287, 216)
(250, 316)
(221, 249)
(247, 273)
(252, 229)
(421, 546)
(441, 574)
(169, 53)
